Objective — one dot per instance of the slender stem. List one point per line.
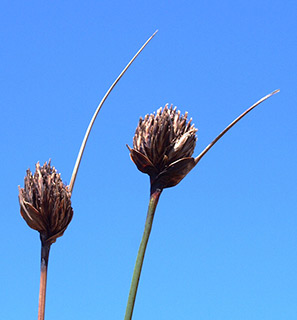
(45, 249)
(141, 252)
(198, 158)
(83, 145)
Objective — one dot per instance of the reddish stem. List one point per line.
(45, 249)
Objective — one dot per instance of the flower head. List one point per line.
(45, 203)
(163, 145)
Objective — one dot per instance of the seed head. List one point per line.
(45, 203)
(163, 145)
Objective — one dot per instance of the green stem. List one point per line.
(155, 194)
(45, 249)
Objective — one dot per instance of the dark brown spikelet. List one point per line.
(45, 203)
(163, 145)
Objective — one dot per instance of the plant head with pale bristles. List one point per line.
(163, 145)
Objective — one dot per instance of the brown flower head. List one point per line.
(45, 203)
(163, 145)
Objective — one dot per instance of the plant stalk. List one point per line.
(45, 249)
(155, 194)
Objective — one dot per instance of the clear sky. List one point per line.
(224, 241)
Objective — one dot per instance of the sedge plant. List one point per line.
(163, 146)
(45, 201)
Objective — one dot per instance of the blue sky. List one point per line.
(224, 241)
